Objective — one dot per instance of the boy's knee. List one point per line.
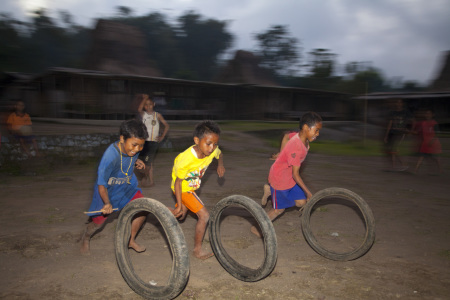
(278, 212)
(300, 203)
(203, 214)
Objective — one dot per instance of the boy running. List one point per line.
(286, 186)
(188, 170)
(116, 183)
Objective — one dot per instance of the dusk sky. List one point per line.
(403, 38)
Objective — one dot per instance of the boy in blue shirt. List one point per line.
(116, 183)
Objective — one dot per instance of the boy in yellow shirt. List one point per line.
(188, 170)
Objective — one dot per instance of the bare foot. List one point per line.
(255, 231)
(136, 247)
(84, 250)
(202, 255)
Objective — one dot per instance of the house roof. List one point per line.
(411, 95)
(94, 73)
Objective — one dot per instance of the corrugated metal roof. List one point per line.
(416, 95)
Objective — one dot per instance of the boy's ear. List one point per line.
(196, 140)
(122, 140)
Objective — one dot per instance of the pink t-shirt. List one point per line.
(293, 154)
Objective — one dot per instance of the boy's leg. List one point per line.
(91, 228)
(200, 229)
(146, 178)
(419, 162)
(272, 214)
(150, 175)
(24, 145)
(266, 195)
(136, 224)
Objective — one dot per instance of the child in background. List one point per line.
(430, 145)
(286, 185)
(152, 120)
(188, 170)
(399, 121)
(19, 124)
(116, 183)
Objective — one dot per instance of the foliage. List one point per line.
(278, 50)
(201, 41)
(188, 48)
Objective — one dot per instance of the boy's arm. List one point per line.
(141, 105)
(107, 207)
(387, 131)
(220, 167)
(284, 141)
(299, 181)
(166, 127)
(178, 211)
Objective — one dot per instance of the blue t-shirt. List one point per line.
(118, 178)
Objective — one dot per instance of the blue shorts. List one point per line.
(286, 198)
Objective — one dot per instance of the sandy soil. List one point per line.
(42, 217)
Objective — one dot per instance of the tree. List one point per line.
(201, 41)
(10, 51)
(278, 50)
(160, 39)
(124, 11)
(321, 63)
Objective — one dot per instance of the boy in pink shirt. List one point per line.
(286, 185)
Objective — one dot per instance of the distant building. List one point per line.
(75, 93)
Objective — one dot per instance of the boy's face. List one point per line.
(20, 106)
(131, 146)
(149, 105)
(206, 145)
(312, 132)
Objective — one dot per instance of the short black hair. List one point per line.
(133, 128)
(310, 118)
(206, 127)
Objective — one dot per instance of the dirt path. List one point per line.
(42, 217)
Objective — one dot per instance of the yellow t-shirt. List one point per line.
(191, 169)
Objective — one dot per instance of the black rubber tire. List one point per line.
(180, 267)
(233, 267)
(366, 214)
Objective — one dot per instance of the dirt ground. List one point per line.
(42, 217)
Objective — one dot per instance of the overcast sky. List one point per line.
(403, 38)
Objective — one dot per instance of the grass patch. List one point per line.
(357, 148)
(445, 254)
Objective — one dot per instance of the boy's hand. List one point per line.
(308, 195)
(220, 170)
(139, 164)
(177, 212)
(107, 209)
(180, 212)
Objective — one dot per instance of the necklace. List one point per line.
(121, 169)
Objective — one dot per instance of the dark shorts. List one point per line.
(393, 140)
(26, 138)
(147, 154)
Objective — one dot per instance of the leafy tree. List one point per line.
(124, 11)
(160, 40)
(201, 41)
(10, 51)
(278, 50)
(321, 63)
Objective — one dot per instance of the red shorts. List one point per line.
(102, 218)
